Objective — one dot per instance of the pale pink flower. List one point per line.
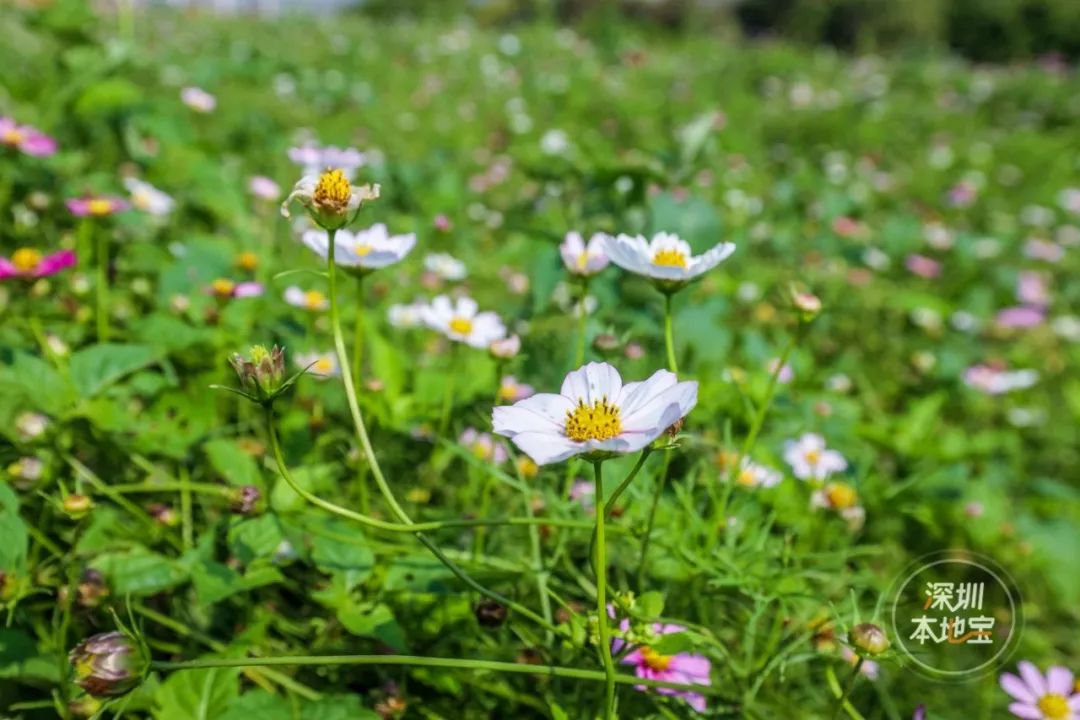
(682, 667)
(1042, 697)
(96, 205)
(198, 99)
(25, 139)
(1021, 317)
(264, 188)
(923, 266)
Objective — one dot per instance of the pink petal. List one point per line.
(1033, 678)
(1059, 681)
(7, 270)
(1016, 687)
(54, 263)
(1028, 712)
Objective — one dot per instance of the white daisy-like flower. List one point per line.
(363, 250)
(331, 200)
(148, 198)
(445, 266)
(319, 365)
(595, 413)
(198, 99)
(459, 320)
(756, 475)
(312, 300)
(667, 259)
(584, 259)
(406, 316)
(810, 459)
(842, 499)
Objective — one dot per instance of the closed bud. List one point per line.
(108, 664)
(807, 304)
(245, 500)
(77, 506)
(490, 614)
(261, 373)
(869, 638)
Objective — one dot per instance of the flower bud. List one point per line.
(489, 613)
(76, 506)
(506, 348)
(92, 588)
(245, 500)
(86, 706)
(807, 304)
(262, 374)
(869, 638)
(108, 664)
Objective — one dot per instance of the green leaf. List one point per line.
(40, 385)
(338, 707)
(374, 621)
(258, 704)
(417, 573)
(233, 464)
(99, 366)
(214, 581)
(651, 604)
(336, 546)
(258, 537)
(21, 660)
(140, 572)
(13, 535)
(197, 694)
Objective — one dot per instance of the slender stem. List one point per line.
(601, 595)
(537, 555)
(452, 663)
(172, 486)
(102, 289)
(610, 504)
(647, 540)
(448, 391)
(669, 339)
(187, 525)
(358, 334)
(582, 330)
(850, 686)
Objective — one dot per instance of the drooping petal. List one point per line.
(713, 257)
(663, 409)
(7, 270)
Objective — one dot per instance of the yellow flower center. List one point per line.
(223, 287)
(362, 249)
(599, 421)
(460, 325)
(669, 258)
(314, 300)
(99, 206)
(1054, 707)
(333, 189)
(508, 391)
(141, 200)
(12, 136)
(527, 467)
(812, 457)
(655, 660)
(247, 260)
(582, 261)
(841, 495)
(746, 477)
(481, 450)
(26, 260)
(323, 366)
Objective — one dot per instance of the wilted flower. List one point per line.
(510, 390)
(25, 139)
(330, 199)
(364, 250)
(506, 348)
(666, 258)
(198, 99)
(148, 198)
(319, 365)
(483, 446)
(96, 205)
(313, 300)
(109, 664)
(262, 373)
(810, 459)
(460, 321)
(1053, 696)
(92, 588)
(30, 264)
(685, 668)
(594, 413)
(406, 316)
(264, 188)
(444, 266)
(584, 259)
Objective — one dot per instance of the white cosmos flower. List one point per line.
(666, 258)
(320, 365)
(460, 321)
(584, 259)
(313, 300)
(406, 316)
(148, 198)
(369, 249)
(445, 266)
(595, 413)
(810, 459)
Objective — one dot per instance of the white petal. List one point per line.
(663, 409)
(710, 259)
(316, 241)
(592, 382)
(295, 296)
(545, 448)
(636, 394)
(543, 411)
(466, 307)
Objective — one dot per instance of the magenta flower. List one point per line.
(923, 266)
(29, 263)
(96, 205)
(1039, 697)
(25, 139)
(680, 668)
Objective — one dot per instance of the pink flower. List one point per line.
(785, 375)
(923, 266)
(264, 188)
(224, 289)
(442, 223)
(680, 668)
(1021, 316)
(1039, 697)
(29, 263)
(198, 99)
(1043, 250)
(1031, 289)
(962, 195)
(510, 390)
(25, 139)
(583, 493)
(846, 227)
(483, 446)
(96, 205)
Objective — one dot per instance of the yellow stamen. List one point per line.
(841, 496)
(508, 391)
(461, 326)
(314, 300)
(600, 421)
(1054, 707)
(582, 261)
(362, 249)
(223, 287)
(99, 206)
(12, 136)
(812, 457)
(746, 477)
(655, 660)
(26, 260)
(247, 261)
(323, 366)
(333, 190)
(141, 200)
(527, 467)
(669, 258)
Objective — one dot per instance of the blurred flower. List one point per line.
(922, 266)
(555, 142)
(634, 351)
(1021, 316)
(962, 195)
(870, 669)
(666, 258)
(937, 236)
(445, 266)
(841, 498)
(223, 289)
(974, 509)
(245, 500)
(1032, 288)
(28, 469)
(198, 99)
(1042, 697)
(583, 493)
(312, 300)
(28, 263)
(108, 664)
(784, 374)
(595, 413)
(810, 459)
(148, 198)
(264, 188)
(995, 380)
(363, 250)
(584, 259)
(755, 475)
(247, 261)
(510, 390)
(1045, 250)
(682, 667)
(31, 425)
(483, 446)
(442, 223)
(1067, 327)
(460, 321)
(839, 383)
(76, 505)
(526, 467)
(330, 199)
(319, 365)
(847, 227)
(25, 139)
(314, 158)
(406, 316)
(1069, 199)
(506, 348)
(96, 205)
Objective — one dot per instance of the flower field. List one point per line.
(392, 368)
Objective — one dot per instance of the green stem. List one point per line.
(850, 686)
(172, 486)
(601, 595)
(102, 285)
(358, 334)
(448, 392)
(582, 331)
(669, 339)
(647, 540)
(451, 663)
(610, 504)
